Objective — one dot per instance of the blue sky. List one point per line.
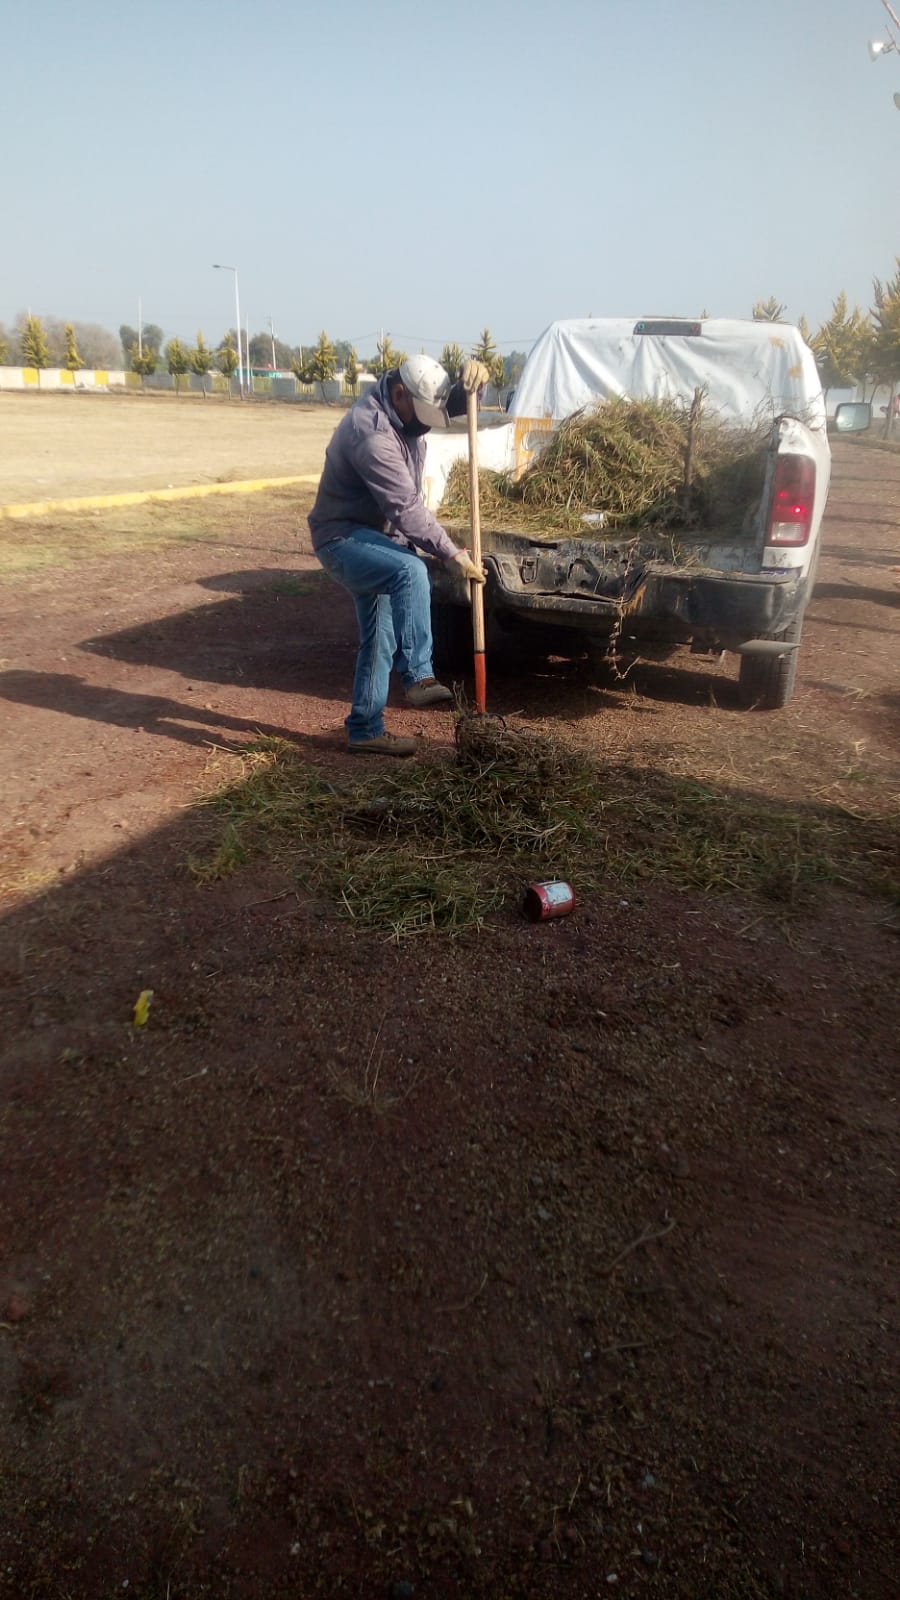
(433, 168)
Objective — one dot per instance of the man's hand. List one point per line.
(469, 569)
(474, 376)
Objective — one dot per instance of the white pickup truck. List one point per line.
(744, 592)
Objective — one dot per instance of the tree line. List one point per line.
(319, 363)
(326, 358)
(47, 342)
(51, 342)
(851, 348)
(854, 348)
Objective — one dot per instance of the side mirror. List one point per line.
(853, 416)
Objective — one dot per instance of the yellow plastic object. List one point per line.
(525, 441)
(142, 1007)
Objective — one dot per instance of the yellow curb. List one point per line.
(139, 497)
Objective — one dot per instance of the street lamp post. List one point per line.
(219, 266)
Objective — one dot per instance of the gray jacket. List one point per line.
(372, 478)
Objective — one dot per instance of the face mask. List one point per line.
(415, 429)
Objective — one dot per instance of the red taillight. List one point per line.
(792, 500)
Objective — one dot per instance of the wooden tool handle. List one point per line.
(477, 589)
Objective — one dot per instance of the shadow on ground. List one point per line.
(296, 634)
(346, 1264)
(857, 593)
(189, 723)
(858, 556)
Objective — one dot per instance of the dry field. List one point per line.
(56, 446)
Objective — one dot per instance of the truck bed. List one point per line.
(710, 591)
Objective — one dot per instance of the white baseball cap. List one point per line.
(428, 387)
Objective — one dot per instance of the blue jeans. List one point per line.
(392, 595)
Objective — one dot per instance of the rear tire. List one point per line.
(767, 682)
(451, 632)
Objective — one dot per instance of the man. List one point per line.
(369, 520)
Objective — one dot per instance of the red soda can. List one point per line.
(543, 900)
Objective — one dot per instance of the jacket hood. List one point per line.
(409, 430)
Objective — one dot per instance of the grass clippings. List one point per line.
(439, 846)
(640, 465)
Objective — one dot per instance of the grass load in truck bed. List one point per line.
(632, 466)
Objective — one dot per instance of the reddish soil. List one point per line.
(550, 1261)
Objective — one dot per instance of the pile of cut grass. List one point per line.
(643, 465)
(440, 846)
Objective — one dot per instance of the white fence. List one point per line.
(286, 388)
(60, 378)
(335, 391)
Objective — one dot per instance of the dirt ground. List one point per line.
(548, 1261)
(59, 445)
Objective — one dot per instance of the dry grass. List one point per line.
(53, 543)
(361, 1085)
(642, 465)
(58, 445)
(30, 547)
(442, 846)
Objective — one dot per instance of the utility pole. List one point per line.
(272, 332)
(220, 266)
(140, 335)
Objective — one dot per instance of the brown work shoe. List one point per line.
(384, 744)
(428, 692)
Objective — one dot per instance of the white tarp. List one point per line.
(496, 450)
(747, 369)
